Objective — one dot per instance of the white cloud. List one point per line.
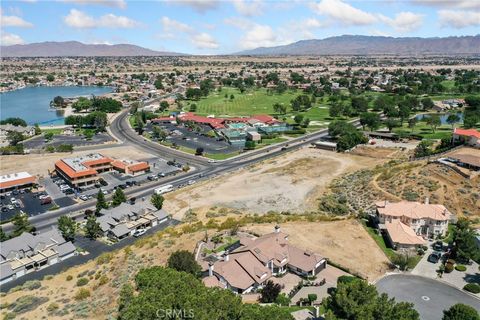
(459, 18)
(343, 12)
(13, 21)
(403, 21)
(200, 6)
(460, 4)
(122, 4)
(170, 25)
(204, 41)
(261, 36)
(8, 39)
(249, 8)
(79, 19)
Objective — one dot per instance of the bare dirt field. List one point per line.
(40, 164)
(292, 183)
(344, 242)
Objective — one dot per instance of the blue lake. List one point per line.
(443, 117)
(33, 103)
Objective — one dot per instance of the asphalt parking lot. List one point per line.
(430, 297)
(193, 140)
(76, 141)
(27, 202)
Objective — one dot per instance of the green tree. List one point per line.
(249, 145)
(452, 119)
(279, 108)
(183, 260)
(3, 235)
(422, 149)
(101, 202)
(125, 297)
(335, 109)
(92, 228)
(427, 103)
(157, 201)
(412, 122)
(434, 121)
(298, 118)
(50, 78)
(15, 137)
(58, 101)
(391, 123)
(270, 292)
(14, 121)
(163, 105)
(460, 311)
(359, 105)
(37, 129)
(370, 120)
(118, 197)
(67, 227)
(21, 224)
(464, 247)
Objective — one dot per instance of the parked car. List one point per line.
(103, 182)
(4, 209)
(46, 200)
(190, 182)
(212, 161)
(438, 246)
(161, 175)
(132, 200)
(152, 178)
(139, 232)
(10, 207)
(84, 197)
(434, 257)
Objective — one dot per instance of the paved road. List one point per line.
(94, 249)
(121, 129)
(429, 296)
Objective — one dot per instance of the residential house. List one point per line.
(122, 221)
(27, 253)
(407, 223)
(470, 137)
(248, 267)
(28, 131)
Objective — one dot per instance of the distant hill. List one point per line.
(78, 49)
(367, 45)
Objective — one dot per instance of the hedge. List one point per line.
(472, 287)
(460, 267)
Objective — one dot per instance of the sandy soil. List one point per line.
(290, 183)
(45, 162)
(344, 242)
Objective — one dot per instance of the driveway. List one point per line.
(430, 297)
(425, 268)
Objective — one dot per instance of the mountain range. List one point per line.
(368, 45)
(341, 45)
(78, 49)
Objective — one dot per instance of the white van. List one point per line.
(163, 189)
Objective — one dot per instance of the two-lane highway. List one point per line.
(202, 168)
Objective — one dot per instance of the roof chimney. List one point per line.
(427, 200)
(277, 228)
(210, 269)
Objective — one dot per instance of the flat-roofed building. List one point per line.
(83, 171)
(15, 181)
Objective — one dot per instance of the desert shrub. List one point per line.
(104, 258)
(103, 280)
(282, 300)
(52, 307)
(31, 285)
(9, 316)
(472, 287)
(449, 268)
(82, 294)
(82, 282)
(346, 279)
(49, 277)
(26, 303)
(4, 305)
(460, 267)
(69, 277)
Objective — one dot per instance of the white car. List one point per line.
(84, 197)
(212, 161)
(139, 232)
(190, 182)
(10, 207)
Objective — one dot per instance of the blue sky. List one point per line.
(217, 27)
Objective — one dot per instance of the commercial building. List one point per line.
(83, 171)
(28, 253)
(122, 221)
(248, 267)
(15, 181)
(132, 168)
(408, 223)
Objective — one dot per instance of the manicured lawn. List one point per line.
(449, 85)
(221, 156)
(389, 252)
(54, 131)
(425, 131)
(132, 121)
(255, 101)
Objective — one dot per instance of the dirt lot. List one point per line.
(119, 269)
(45, 162)
(344, 242)
(292, 183)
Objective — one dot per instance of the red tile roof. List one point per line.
(467, 132)
(65, 168)
(17, 182)
(90, 163)
(119, 164)
(139, 166)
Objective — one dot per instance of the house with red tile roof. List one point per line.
(256, 260)
(470, 137)
(408, 223)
